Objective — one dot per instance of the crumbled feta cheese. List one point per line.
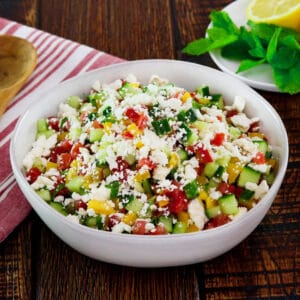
(242, 211)
(190, 173)
(260, 190)
(65, 110)
(121, 227)
(197, 213)
(262, 168)
(149, 226)
(101, 193)
(41, 147)
(159, 157)
(241, 121)
(43, 182)
(73, 218)
(160, 173)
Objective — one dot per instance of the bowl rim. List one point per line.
(265, 201)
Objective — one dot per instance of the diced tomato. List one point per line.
(259, 158)
(139, 119)
(226, 188)
(64, 160)
(59, 188)
(132, 114)
(231, 113)
(112, 221)
(218, 139)
(201, 152)
(178, 201)
(53, 123)
(139, 227)
(238, 191)
(97, 124)
(83, 116)
(80, 204)
(217, 221)
(127, 135)
(159, 229)
(63, 147)
(75, 151)
(33, 174)
(254, 127)
(142, 122)
(145, 161)
(122, 168)
(200, 169)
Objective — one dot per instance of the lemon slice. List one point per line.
(284, 13)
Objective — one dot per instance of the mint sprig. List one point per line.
(254, 45)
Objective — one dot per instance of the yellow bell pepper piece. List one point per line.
(173, 160)
(183, 216)
(129, 218)
(51, 165)
(192, 228)
(101, 207)
(139, 145)
(233, 169)
(139, 177)
(133, 129)
(185, 96)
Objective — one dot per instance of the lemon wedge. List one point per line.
(284, 13)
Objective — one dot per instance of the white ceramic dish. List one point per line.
(151, 251)
(259, 77)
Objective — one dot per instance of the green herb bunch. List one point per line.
(253, 45)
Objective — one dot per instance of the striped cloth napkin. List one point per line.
(58, 59)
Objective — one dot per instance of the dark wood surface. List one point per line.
(35, 264)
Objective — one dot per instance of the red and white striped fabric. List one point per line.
(58, 59)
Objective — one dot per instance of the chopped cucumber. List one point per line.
(213, 211)
(180, 227)
(42, 125)
(96, 134)
(46, 133)
(94, 222)
(218, 174)
(210, 169)
(246, 195)
(234, 132)
(167, 222)
(44, 194)
(130, 159)
(74, 101)
(270, 177)
(58, 207)
(135, 205)
(75, 133)
(147, 186)
(191, 190)
(200, 125)
(183, 155)
(38, 163)
(248, 175)
(224, 161)
(75, 184)
(262, 146)
(192, 139)
(228, 204)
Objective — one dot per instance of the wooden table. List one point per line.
(35, 264)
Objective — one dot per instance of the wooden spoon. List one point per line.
(18, 59)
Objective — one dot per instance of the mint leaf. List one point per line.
(222, 33)
(198, 47)
(249, 63)
(288, 80)
(273, 44)
(238, 50)
(221, 19)
(285, 58)
(256, 48)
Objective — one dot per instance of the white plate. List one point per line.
(259, 77)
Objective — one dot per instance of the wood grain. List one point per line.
(35, 264)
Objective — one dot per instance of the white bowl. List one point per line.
(151, 251)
